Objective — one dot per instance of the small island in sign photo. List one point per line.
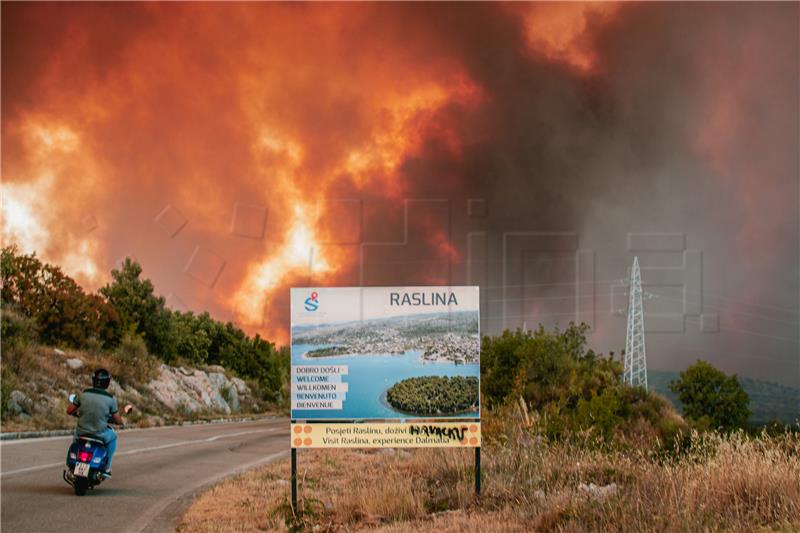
(435, 395)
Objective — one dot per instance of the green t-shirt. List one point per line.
(95, 407)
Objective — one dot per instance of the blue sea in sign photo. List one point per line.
(369, 376)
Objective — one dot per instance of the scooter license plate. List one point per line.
(81, 469)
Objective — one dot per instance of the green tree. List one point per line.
(192, 340)
(710, 398)
(63, 312)
(140, 310)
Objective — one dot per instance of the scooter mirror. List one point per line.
(72, 398)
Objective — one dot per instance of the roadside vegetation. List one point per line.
(48, 318)
(711, 482)
(567, 447)
(573, 390)
(434, 395)
(37, 380)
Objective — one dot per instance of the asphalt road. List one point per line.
(157, 472)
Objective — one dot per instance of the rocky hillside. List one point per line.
(193, 390)
(36, 391)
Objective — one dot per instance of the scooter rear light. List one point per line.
(84, 457)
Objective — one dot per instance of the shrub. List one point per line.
(544, 367)
(63, 312)
(133, 364)
(19, 335)
(17, 330)
(575, 390)
(602, 412)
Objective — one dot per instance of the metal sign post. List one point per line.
(294, 481)
(377, 440)
(478, 471)
(364, 361)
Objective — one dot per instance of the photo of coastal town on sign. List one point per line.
(385, 353)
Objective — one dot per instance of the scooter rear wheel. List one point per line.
(81, 485)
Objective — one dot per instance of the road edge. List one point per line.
(179, 500)
(44, 434)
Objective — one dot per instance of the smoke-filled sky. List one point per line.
(236, 150)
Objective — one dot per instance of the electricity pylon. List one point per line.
(635, 373)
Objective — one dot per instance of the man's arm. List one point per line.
(116, 418)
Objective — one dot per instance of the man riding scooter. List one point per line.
(95, 409)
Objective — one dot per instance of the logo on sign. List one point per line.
(312, 302)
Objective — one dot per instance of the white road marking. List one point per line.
(150, 448)
(127, 430)
(184, 443)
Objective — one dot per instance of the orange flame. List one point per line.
(135, 112)
(558, 30)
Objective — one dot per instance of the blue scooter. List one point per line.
(86, 462)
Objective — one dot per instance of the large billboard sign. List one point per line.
(386, 354)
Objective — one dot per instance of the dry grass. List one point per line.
(47, 381)
(734, 483)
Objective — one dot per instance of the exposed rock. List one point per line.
(44, 403)
(598, 491)
(227, 390)
(19, 403)
(215, 368)
(195, 390)
(59, 352)
(209, 394)
(168, 390)
(19, 397)
(241, 386)
(74, 363)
